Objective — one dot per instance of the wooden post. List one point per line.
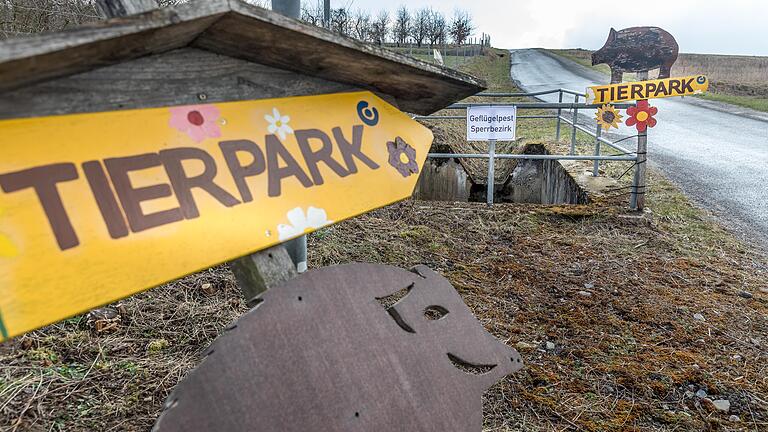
(261, 271)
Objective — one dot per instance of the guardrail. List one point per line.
(573, 110)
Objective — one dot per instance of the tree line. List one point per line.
(425, 26)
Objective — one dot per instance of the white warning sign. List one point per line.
(491, 123)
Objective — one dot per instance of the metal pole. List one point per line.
(637, 199)
(559, 113)
(491, 170)
(117, 8)
(596, 168)
(327, 14)
(575, 119)
(289, 8)
(297, 248)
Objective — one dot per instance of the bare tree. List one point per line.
(420, 25)
(461, 27)
(437, 28)
(380, 28)
(312, 14)
(401, 28)
(340, 21)
(361, 26)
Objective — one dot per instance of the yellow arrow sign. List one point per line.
(661, 88)
(96, 207)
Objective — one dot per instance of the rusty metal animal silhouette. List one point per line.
(637, 49)
(354, 347)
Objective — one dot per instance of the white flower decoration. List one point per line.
(300, 223)
(278, 124)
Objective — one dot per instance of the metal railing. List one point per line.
(571, 108)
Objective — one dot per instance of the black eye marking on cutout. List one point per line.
(469, 368)
(399, 320)
(435, 312)
(389, 302)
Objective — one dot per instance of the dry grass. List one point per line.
(746, 70)
(70, 377)
(624, 358)
(719, 68)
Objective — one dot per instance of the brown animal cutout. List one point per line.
(637, 49)
(326, 352)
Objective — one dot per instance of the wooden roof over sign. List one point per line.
(236, 29)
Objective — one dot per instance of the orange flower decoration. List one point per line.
(641, 116)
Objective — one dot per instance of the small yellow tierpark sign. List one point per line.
(661, 88)
(96, 207)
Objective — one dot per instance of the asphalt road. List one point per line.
(717, 153)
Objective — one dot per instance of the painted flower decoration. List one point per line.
(301, 222)
(402, 157)
(608, 117)
(641, 116)
(197, 121)
(278, 124)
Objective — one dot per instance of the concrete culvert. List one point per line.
(516, 181)
(540, 182)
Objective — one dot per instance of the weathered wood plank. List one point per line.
(34, 59)
(179, 77)
(258, 35)
(235, 29)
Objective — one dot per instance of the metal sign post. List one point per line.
(596, 168)
(491, 170)
(327, 14)
(289, 8)
(637, 198)
(297, 248)
(575, 119)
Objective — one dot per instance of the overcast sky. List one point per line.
(701, 26)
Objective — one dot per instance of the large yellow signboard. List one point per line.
(96, 207)
(661, 88)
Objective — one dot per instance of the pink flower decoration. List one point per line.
(197, 121)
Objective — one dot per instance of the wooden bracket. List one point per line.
(261, 271)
